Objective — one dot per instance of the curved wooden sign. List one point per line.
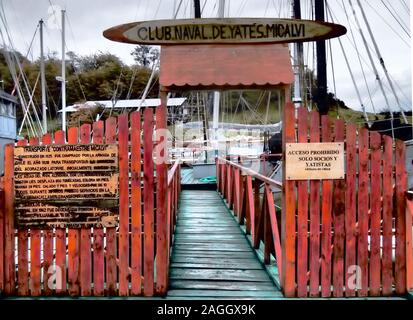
(223, 31)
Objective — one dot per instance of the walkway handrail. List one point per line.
(252, 173)
(241, 188)
(172, 171)
(174, 190)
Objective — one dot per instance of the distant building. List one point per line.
(176, 106)
(8, 132)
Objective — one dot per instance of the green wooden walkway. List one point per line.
(211, 256)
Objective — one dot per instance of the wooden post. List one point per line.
(9, 264)
(288, 227)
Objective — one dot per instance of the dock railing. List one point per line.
(250, 195)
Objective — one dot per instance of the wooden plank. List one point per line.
(387, 263)
(111, 251)
(123, 140)
(61, 237)
(339, 208)
(136, 203)
(314, 216)
(326, 219)
(98, 233)
(215, 254)
(85, 235)
(35, 251)
(23, 253)
(219, 274)
(47, 242)
(363, 201)
(375, 214)
(73, 239)
(148, 196)
(162, 250)
(302, 212)
(9, 262)
(400, 215)
(288, 227)
(351, 206)
(224, 294)
(221, 285)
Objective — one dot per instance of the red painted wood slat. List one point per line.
(351, 206)
(61, 238)
(85, 235)
(288, 229)
(73, 239)
(375, 214)
(387, 263)
(110, 255)
(47, 241)
(136, 202)
(123, 140)
(400, 215)
(339, 208)
(98, 233)
(162, 250)
(23, 253)
(302, 209)
(35, 250)
(148, 196)
(314, 215)
(326, 219)
(9, 263)
(363, 205)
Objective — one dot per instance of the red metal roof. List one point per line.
(225, 66)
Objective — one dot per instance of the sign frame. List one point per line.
(329, 164)
(218, 30)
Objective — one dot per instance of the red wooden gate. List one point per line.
(111, 261)
(348, 237)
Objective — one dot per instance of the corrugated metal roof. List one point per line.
(122, 104)
(225, 66)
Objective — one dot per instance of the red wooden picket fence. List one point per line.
(337, 229)
(350, 237)
(250, 196)
(132, 259)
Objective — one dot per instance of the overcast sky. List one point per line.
(86, 20)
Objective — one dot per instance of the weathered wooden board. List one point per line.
(231, 31)
(66, 185)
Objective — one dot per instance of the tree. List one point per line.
(145, 56)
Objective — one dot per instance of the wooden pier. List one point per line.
(211, 257)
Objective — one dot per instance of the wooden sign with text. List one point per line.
(314, 161)
(66, 186)
(223, 31)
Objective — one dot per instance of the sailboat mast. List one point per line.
(321, 62)
(43, 80)
(298, 60)
(217, 94)
(63, 74)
